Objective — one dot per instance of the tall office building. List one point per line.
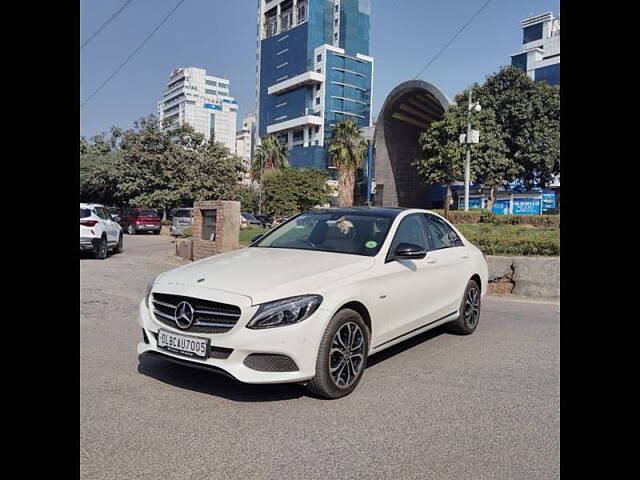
(203, 101)
(244, 144)
(313, 70)
(540, 54)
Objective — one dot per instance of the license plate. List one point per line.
(185, 345)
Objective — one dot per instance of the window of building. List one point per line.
(520, 61)
(335, 37)
(532, 33)
(335, 22)
(298, 135)
(211, 82)
(549, 74)
(210, 92)
(317, 100)
(319, 70)
(317, 128)
(319, 57)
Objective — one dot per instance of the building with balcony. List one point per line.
(540, 53)
(313, 70)
(203, 101)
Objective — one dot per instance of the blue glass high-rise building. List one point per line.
(313, 70)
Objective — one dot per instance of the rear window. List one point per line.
(147, 213)
(85, 212)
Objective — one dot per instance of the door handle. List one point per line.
(433, 260)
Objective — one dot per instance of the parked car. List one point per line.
(182, 218)
(136, 220)
(99, 232)
(309, 301)
(265, 219)
(251, 220)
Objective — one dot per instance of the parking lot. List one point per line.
(437, 406)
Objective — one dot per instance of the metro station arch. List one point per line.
(408, 111)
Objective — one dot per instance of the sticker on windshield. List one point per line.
(371, 244)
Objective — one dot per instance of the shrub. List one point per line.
(487, 216)
(188, 231)
(513, 239)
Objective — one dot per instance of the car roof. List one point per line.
(90, 205)
(389, 212)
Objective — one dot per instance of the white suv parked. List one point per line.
(99, 232)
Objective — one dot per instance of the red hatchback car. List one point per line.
(136, 220)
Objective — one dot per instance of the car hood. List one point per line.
(265, 274)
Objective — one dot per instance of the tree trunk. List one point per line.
(447, 201)
(346, 182)
(491, 199)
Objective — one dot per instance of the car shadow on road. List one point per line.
(405, 345)
(215, 384)
(221, 386)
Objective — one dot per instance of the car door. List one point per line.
(448, 262)
(109, 225)
(409, 285)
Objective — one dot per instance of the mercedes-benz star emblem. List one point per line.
(184, 315)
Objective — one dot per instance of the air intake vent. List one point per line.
(269, 362)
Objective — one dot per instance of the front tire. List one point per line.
(342, 356)
(467, 322)
(156, 232)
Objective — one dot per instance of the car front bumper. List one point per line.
(299, 342)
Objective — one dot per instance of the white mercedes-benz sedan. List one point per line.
(310, 300)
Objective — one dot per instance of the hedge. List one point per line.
(485, 216)
(513, 239)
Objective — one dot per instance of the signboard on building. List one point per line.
(526, 206)
(548, 200)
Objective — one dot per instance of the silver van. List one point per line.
(182, 218)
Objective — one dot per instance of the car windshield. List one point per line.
(326, 231)
(147, 213)
(85, 212)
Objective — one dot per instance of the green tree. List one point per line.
(529, 114)
(347, 149)
(293, 190)
(270, 155)
(248, 196)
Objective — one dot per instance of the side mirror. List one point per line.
(407, 251)
(116, 218)
(256, 238)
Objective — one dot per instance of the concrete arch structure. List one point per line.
(408, 110)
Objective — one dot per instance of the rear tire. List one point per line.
(156, 232)
(346, 329)
(131, 230)
(120, 246)
(101, 251)
(467, 321)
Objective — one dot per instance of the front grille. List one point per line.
(270, 362)
(210, 317)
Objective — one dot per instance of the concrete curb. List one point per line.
(534, 277)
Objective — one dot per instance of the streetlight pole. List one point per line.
(467, 164)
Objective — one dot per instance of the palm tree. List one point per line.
(347, 148)
(271, 154)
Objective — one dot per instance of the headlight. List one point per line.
(148, 294)
(285, 312)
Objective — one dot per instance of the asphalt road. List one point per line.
(437, 406)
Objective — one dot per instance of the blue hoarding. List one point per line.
(526, 206)
(501, 206)
(474, 203)
(548, 200)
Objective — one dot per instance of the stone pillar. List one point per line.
(216, 227)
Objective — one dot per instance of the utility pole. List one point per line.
(472, 136)
(467, 163)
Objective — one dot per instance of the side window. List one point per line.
(101, 212)
(410, 230)
(440, 234)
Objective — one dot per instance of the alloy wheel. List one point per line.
(472, 307)
(346, 356)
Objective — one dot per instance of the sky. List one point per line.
(220, 36)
